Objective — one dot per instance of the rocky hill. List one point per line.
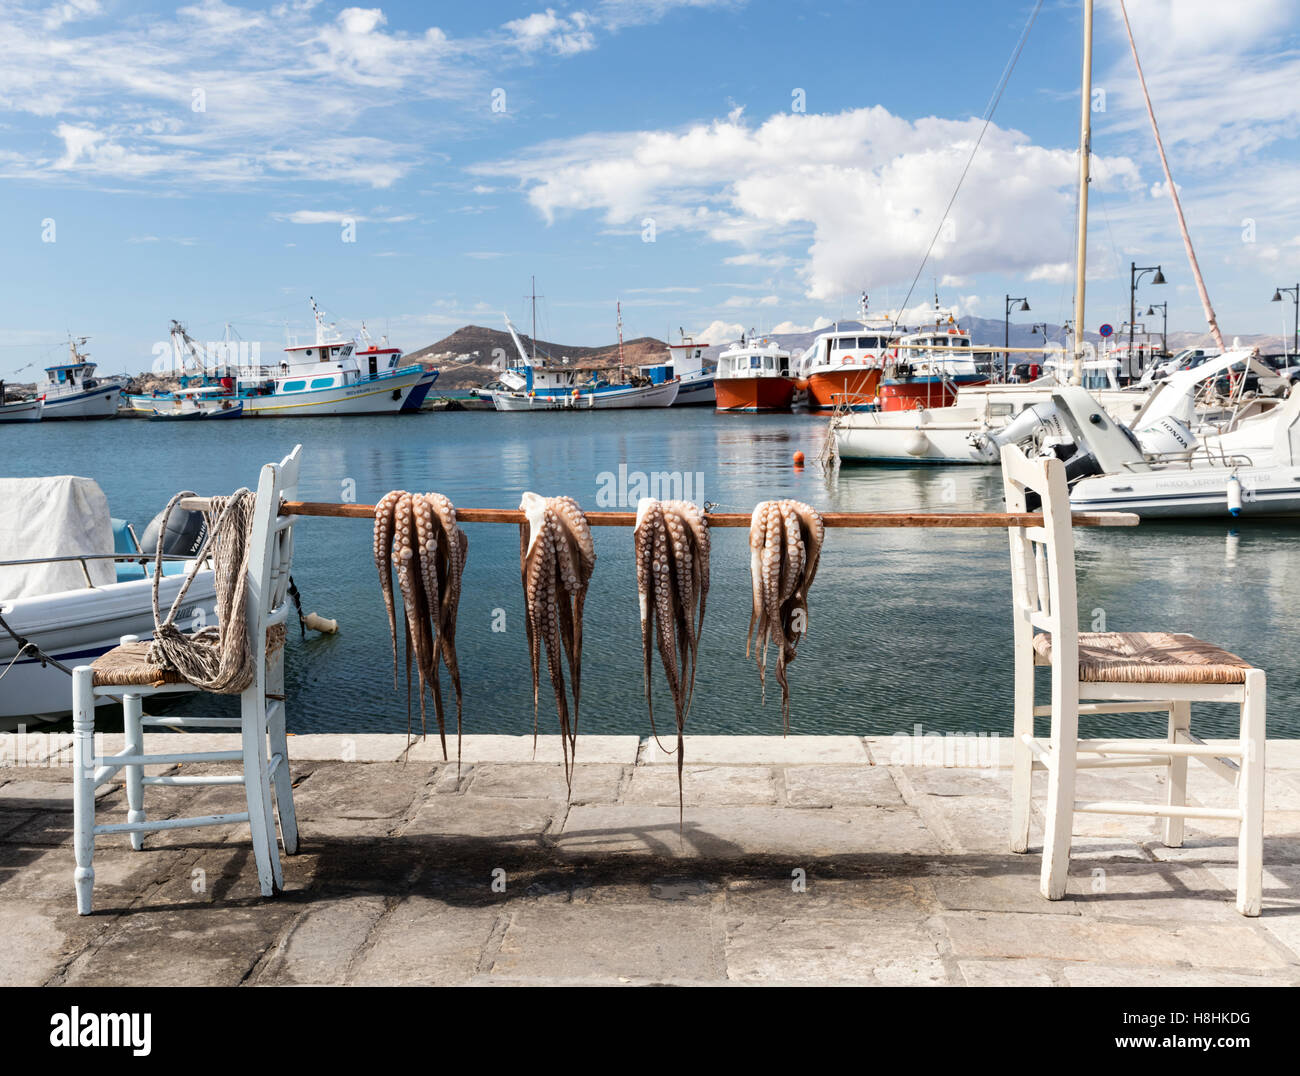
(474, 355)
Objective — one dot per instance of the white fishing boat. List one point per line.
(686, 365)
(71, 389)
(19, 410)
(531, 385)
(73, 581)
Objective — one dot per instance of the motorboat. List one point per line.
(203, 402)
(73, 581)
(755, 375)
(685, 363)
(20, 410)
(71, 389)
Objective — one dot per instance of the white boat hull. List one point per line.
(100, 402)
(75, 627)
(1183, 493)
(696, 392)
(383, 397)
(22, 411)
(945, 435)
(633, 396)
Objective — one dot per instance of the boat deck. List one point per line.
(907, 876)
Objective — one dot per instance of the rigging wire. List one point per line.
(989, 110)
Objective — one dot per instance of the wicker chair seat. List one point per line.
(127, 666)
(1149, 657)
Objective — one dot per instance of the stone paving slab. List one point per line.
(800, 860)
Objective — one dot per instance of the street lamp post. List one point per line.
(1006, 328)
(1135, 274)
(1164, 325)
(1295, 296)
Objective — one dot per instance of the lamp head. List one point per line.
(1159, 278)
(1277, 296)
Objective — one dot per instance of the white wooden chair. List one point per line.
(1116, 672)
(123, 672)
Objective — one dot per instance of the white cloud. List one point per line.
(861, 192)
(562, 35)
(719, 332)
(749, 300)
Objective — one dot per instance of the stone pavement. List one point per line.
(803, 860)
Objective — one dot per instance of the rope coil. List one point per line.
(217, 658)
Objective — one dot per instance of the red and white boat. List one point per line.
(754, 375)
(842, 366)
(931, 366)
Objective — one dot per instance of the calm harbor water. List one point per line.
(906, 627)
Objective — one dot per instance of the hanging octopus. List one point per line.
(418, 534)
(672, 581)
(556, 559)
(785, 543)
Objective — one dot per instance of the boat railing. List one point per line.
(143, 559)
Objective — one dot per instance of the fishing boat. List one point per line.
(202, 402)
(72, 390)
(530, 385)
(754, 376)
(842, 367)
(19, 410)
(929, 369)
(685, 363)
(74, 580)
(330, 376)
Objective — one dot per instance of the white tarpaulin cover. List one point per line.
(51, 517)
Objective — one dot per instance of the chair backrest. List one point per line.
(1042, 560)
(270, 554)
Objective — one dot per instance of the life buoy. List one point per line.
(849, 360)
(918, 404)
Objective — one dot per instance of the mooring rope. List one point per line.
(217, 658)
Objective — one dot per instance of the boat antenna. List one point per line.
(1085, 150)
(1173, 191)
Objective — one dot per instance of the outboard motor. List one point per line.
(186, 532)
(1032, 426)
(1167, 436)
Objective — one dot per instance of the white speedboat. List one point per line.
(1114, 469)
(72, 582)
(72, 390)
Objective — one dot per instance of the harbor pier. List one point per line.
(799, 860)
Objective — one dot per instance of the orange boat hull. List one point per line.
(855, 384)
(754, 393)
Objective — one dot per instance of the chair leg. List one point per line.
(83, 784)
(1250, 797)
(1180, 720)
(257, 790)
(1060, 791)
(1022, 758)
(132, 714)
(280, 746)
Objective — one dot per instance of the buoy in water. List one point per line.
(320, 624)
(798, 459)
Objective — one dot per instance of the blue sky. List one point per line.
(202, 162)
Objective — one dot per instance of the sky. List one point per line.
(715, 165)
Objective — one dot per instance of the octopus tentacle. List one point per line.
(383, 545)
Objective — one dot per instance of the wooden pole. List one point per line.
(940, 520)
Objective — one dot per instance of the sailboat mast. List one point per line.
(1085, 151)
(533, 342)
(1173, 191)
